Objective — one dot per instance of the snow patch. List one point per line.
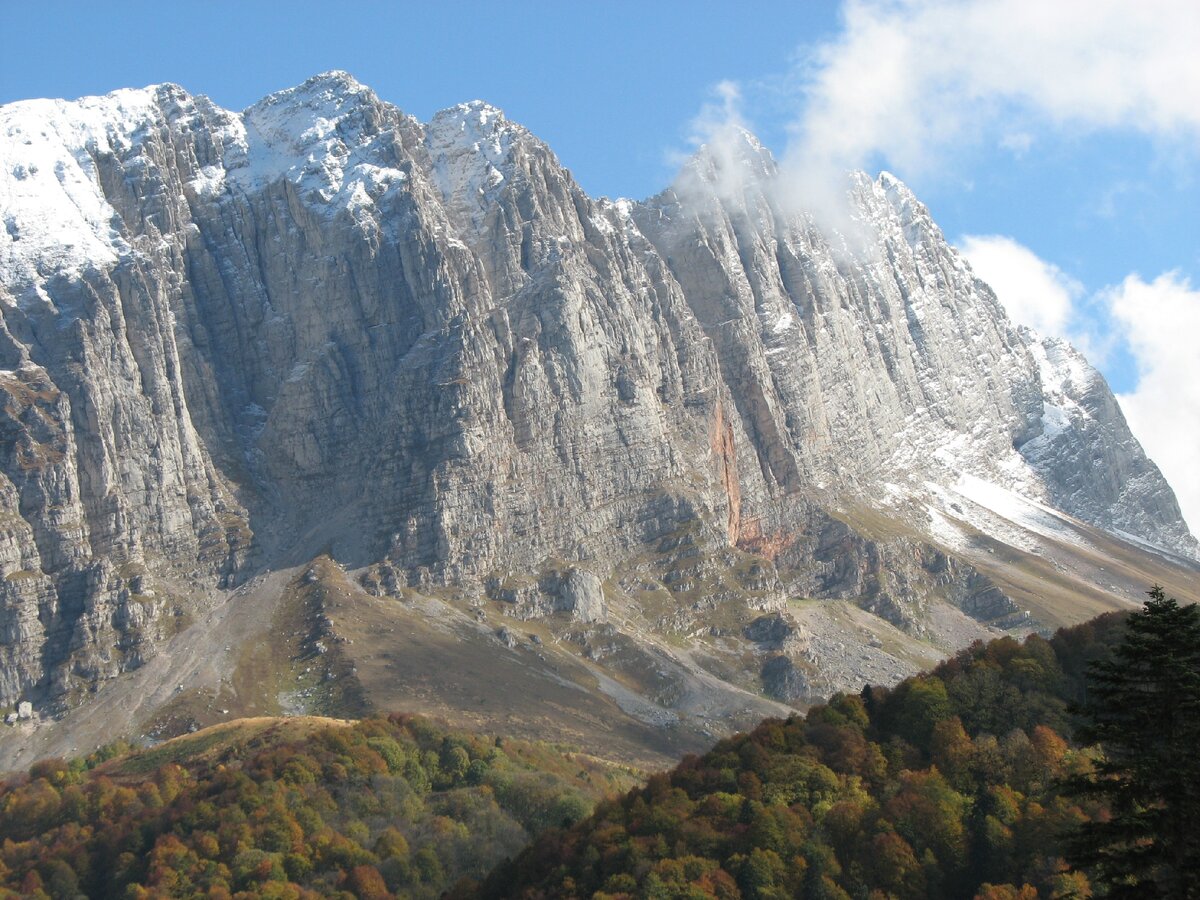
(1001, 503)
(471, 146)
(945, 531)
(56, 219)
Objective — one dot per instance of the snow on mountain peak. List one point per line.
(334, 80)
(477, 127)
(304, 115)
(1064, 369)
(326, 135)
(887, 202)
(899, 196)
(55, 215)
(477, 112)
(471, 146)
(330, 136)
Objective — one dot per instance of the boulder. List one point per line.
(583, 595)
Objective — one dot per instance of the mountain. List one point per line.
(315, 407)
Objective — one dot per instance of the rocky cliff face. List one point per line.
(231, 342)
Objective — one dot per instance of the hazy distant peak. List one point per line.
(733, 147)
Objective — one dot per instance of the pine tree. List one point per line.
(1143, 708)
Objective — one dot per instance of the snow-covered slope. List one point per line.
(56, 217)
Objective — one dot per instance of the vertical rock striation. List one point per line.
(233, 341)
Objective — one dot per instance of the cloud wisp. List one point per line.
(722, 144)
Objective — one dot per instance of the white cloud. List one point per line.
(721, 114)
(907, 81)
(1161, 320)
(723, 134)
(1034, 292)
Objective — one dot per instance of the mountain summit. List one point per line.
(488, 447)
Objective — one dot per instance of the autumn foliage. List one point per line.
(949, 785)
(382, 807)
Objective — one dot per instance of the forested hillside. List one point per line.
(949, 785)
(289, 809)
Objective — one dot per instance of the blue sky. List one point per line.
(611, 86)
(1057, 143)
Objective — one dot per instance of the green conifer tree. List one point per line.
(1143, 708)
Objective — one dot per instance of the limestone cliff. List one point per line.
(233, 341)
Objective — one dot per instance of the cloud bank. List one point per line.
(908, 81)
(1161, 320)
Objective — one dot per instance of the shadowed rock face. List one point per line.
(232, 342)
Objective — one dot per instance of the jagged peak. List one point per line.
(476, 112)
(475, 125)
(750, 140)
(1063, 367)
(890, 182)
(335, 78)
(898, 193)
(479, 136)
(471, 145)
(331, 85)
(886, 196)
(325, 96)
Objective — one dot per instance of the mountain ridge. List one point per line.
(321, 327)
